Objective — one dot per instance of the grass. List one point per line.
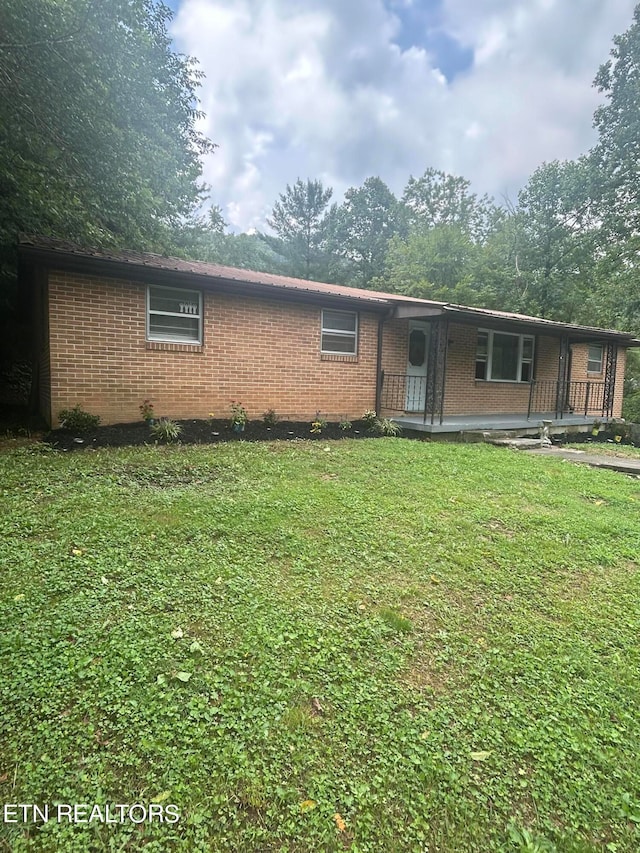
(365, 646)
(621, 450)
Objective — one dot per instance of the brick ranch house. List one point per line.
(112, 329)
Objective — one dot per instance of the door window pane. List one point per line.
(417, 348)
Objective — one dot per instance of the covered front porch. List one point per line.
(562, 402)
(477, 370)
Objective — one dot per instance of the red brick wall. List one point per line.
(395, 337)
(619, 392)
(579, 361)
(262, 352)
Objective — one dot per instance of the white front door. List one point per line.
(417, 353)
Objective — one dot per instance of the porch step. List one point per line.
(520, 439)
(517, 443)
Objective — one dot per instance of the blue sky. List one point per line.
(345, 89)
(422, 25)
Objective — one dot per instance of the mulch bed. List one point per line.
(199, 432)
(603, 437)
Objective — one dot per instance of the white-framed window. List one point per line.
(339, 332)
(595, 358)
(174, 315)
(504, 356)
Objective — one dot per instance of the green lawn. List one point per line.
(597, 447)
(383, 645)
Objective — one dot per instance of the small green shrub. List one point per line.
(239, 414)
(345, 425)
(166, 430)
(631, 408)
(77, 420)
(270, 418)
(385, 426)
(619, 428)
(318, 424)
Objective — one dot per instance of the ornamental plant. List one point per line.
(370, 418)
(318, 424)
(146, 410)
(385, 426)
(270, 418)
(166, 430)
(238, 414)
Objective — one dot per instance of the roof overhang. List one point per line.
(524, 325)
(113, 268)
(50, 254)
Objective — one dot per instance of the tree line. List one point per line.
(99, 145)
(558, 251)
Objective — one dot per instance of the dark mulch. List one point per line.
(603, 437)
(199, 432)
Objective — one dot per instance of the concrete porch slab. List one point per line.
(508, 425)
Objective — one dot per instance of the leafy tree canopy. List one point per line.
(617, 153)
(557, 226)
(434, 263)
(362, 226)
(438, 198)
(98, 139)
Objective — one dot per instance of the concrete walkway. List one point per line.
(624, 464)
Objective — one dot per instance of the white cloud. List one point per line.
(321, 89)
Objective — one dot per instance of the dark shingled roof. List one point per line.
(54, 251)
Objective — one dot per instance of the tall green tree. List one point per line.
(438, 198)
(435, 263)
(617, 152)
(98, 138)
(557, 221)
(298, 219)
(362, 226)
(205, 239)
(615, 298)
